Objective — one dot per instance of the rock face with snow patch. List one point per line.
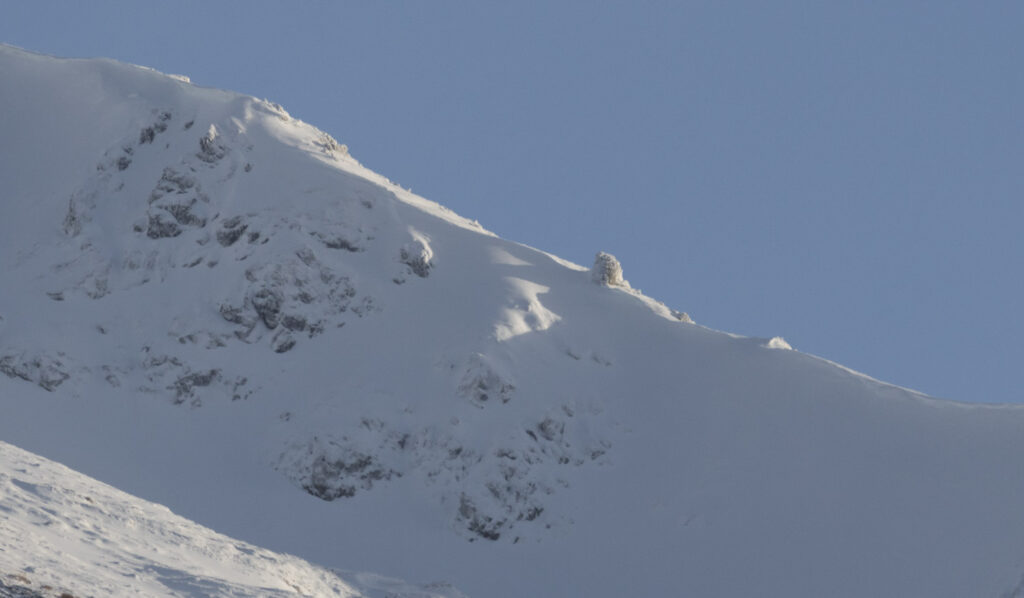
(489, 491)
(46, 371)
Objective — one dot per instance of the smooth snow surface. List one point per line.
(209, 304)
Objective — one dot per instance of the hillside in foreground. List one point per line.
(62, 533)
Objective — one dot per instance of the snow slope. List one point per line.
(63, 532)
(211, 305)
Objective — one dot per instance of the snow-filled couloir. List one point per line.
(210, 304)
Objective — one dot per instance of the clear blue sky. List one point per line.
(847, 175)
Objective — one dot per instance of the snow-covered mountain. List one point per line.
(209, 304)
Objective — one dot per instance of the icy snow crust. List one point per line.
(211, 305)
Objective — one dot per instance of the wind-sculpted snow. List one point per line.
(211, 304)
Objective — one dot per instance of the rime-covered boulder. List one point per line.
(607, 271)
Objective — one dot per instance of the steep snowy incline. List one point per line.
(211, 305)
(64, 533)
